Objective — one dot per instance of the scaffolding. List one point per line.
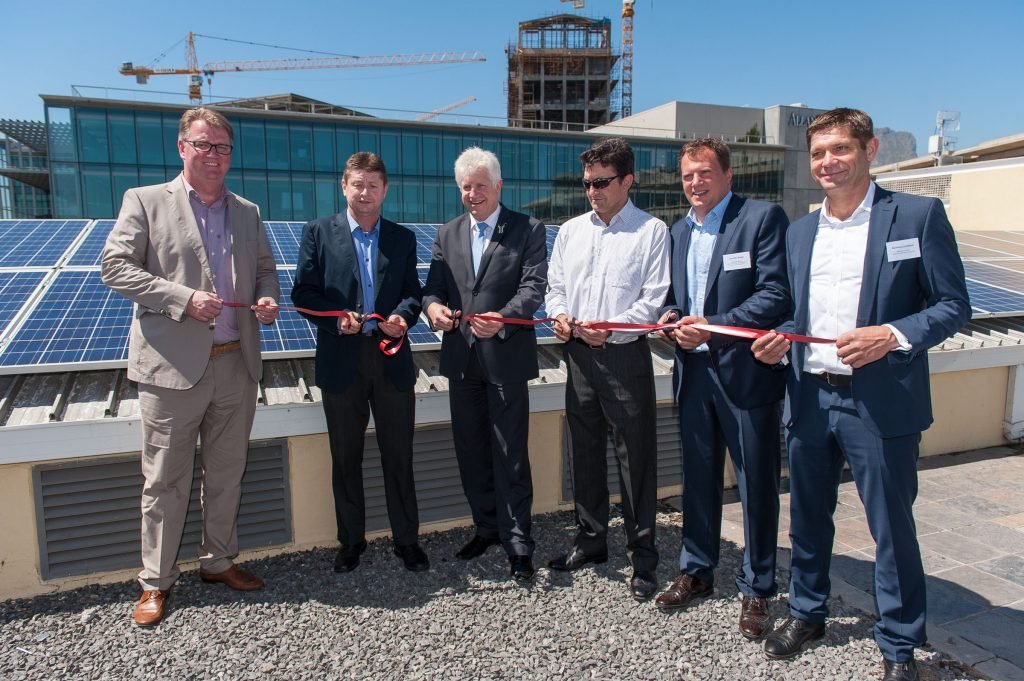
(561, 74)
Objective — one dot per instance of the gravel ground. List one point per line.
(457, 621)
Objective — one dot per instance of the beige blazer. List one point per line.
(155, 257)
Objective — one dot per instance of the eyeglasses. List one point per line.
(200, 145)
(599, 182)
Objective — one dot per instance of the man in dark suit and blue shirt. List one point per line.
(728, 267)
(360, 262)
(878, 271)
(489, 262)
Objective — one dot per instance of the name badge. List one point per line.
(904, 249)
(736, 261)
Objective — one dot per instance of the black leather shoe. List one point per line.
(576, 559)
(789, 639)
(476, 547)
(347, 558)
(522, 568)
(643, 585)
(900, 671)
(413, 557)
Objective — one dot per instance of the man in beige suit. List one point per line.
(180, 250)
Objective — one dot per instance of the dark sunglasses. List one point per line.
(600, 182)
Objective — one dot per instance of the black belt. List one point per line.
(834, 380)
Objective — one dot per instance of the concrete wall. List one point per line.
(986, 199)
(960, 424)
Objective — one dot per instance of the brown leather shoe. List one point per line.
(755, 620)
(150, 608)
(686, 588)
(235, 578)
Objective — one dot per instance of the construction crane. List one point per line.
(627, 58)
(446, 109)
(196, 73)
(627, 53)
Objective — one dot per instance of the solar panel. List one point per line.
(77, 320)
(291, 332)
(989, 301)
(425, 235)
(552, 232)
(421, 335)
(36, 243)
(15, 290)
(91, 247)
(284, 238)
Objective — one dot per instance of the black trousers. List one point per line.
(490, 423)
(613, 387)
(348, 414)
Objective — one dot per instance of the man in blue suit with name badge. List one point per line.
(878, 271)
(728, 267)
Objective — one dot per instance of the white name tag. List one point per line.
(736, 261)
(903, 250)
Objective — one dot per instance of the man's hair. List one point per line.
(611, 151)
(367, 162)
(696, 149)
(474, 159)
(208, 116)
(857, 122)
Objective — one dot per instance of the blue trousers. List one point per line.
(827, 431)
(708, 422)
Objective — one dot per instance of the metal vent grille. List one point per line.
(932, 185)
(670, 465)
(88, 517)
(438, 487)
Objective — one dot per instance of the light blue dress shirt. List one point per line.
(703, 236)
(366, 252)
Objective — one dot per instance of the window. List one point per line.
(122, 137)
(253, 142)
(93, 141)
(323, 149)
(301, 147)
(60, 134)
(278, 156)
(96, 189)
(149, 140)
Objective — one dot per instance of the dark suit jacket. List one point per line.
(512, 282)
(327, 278)
(755, 296)
(925, 298)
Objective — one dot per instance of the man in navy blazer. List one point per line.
(728, 268)
(878, 271)
(361, 263)
(490, 261)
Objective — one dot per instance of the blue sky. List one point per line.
(900, 61)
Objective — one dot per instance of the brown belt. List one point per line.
(224, 348)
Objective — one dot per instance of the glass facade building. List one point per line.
(290, 163)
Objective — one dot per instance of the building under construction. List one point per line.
(561, 74)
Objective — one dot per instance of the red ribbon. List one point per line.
(389, 345)
(737, 331)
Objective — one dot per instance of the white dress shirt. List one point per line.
(616, 272)
(492, 222)
(837, 271)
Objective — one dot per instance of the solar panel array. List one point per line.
(994, 266)
(56, 314)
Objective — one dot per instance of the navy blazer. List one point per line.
(755, 297)
(924, 297)
(327, 278)
(512, 281)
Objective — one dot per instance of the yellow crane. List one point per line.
(627, 53)
(196, 73)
